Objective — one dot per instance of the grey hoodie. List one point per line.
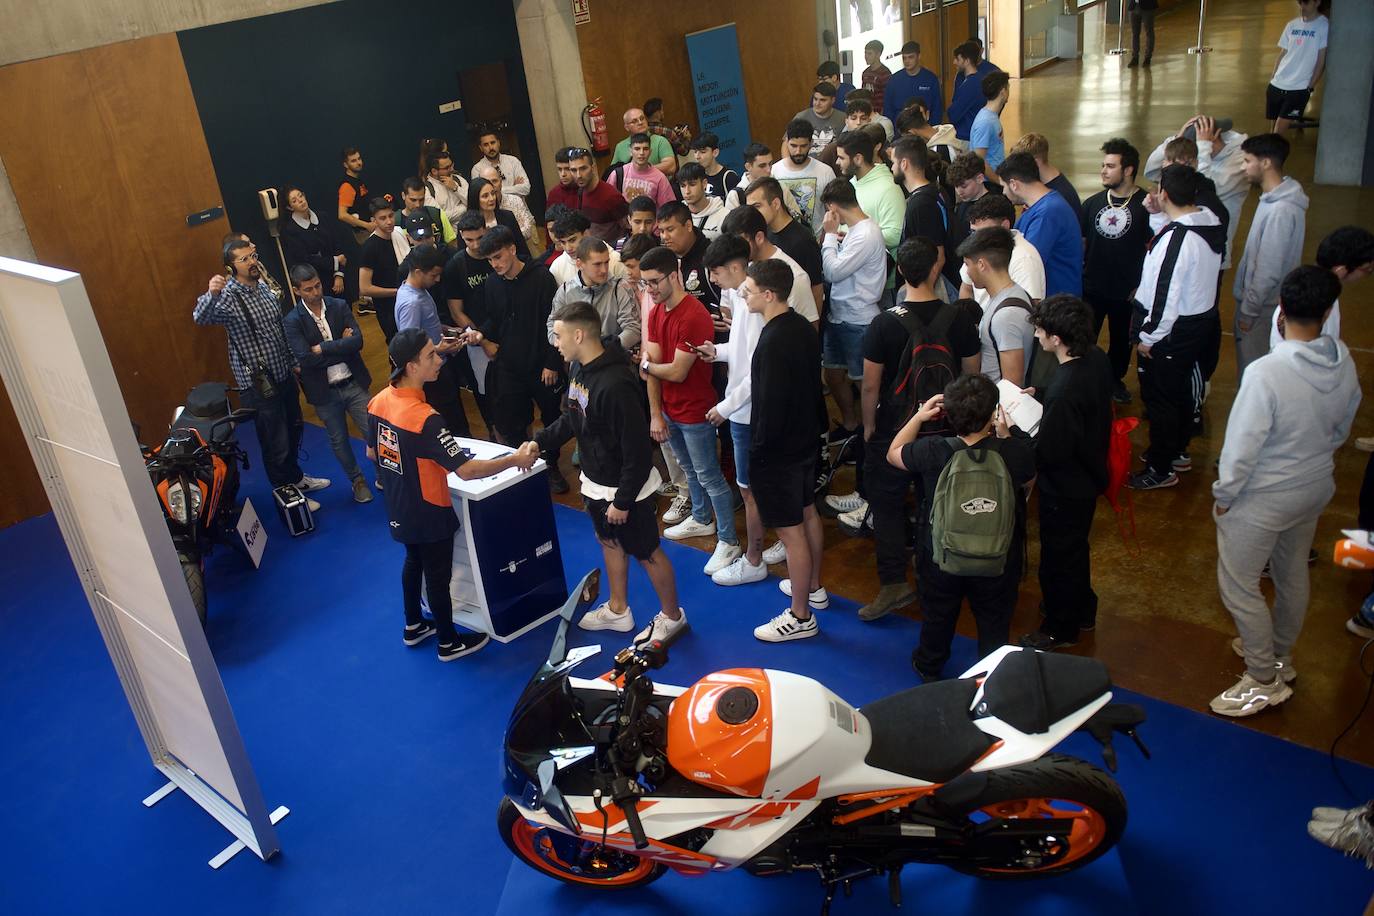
(1294, 409)
(1272, 249)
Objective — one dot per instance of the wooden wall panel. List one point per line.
(106, 156)
(632, 51)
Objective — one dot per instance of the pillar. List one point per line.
(1344, 152)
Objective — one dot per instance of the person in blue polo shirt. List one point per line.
(913, 82)
(1047, 222)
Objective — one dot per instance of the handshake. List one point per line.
(526, 455)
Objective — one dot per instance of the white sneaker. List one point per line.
(313, 506)
(740, 572)
(1365, 443)
(689, 528)
(678, 509)
(818, 599)
(847, 503)
(603, 618)
(663, 628)
(853, 523)
(309, 484)
(785, 628)
(721, 557)
(1248, 696)
(775, 554)
(1283, 664)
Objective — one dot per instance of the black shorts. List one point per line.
(1280, 103)
(638, 536)
(782, 491)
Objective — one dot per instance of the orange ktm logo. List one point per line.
(388, 448)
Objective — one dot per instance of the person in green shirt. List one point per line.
(878, 195)
(661, 154)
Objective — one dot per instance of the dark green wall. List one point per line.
(280, 95)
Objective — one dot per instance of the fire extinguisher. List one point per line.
(594, 125)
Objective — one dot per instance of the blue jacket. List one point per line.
(902, 87)
(968, 100)
(302, 333)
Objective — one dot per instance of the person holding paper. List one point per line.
(1071, 465)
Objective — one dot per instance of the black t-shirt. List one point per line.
(958, 226)
(1117, 235)
(694, 276)
(1075, 432)
(722, 183)
(929, 456)
(927, 218)
(361, 203)
(380, 255)
(886, 338)
(464, 278)
(802, 247)
(787, 412)
(1066, 190)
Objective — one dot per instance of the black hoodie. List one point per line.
(606, 412)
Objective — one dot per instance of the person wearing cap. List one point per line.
(414, 453)
(416, 308)
(413, 198)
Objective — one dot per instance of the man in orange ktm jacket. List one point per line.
(414, 452)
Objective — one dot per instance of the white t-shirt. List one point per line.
(806, 184)
(800, 299)
(1331, 328)
(1026, 268)
(1005, 329)
(513, 177)
(1302, 40)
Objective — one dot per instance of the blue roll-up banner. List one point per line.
(719, 86)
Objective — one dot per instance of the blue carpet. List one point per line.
(389, 761)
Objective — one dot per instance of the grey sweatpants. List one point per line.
(1254, 343)
(1273, 527)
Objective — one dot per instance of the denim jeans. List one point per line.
(694, 444)
(278, 424)
(348, 400)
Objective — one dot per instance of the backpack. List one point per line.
(1041, 370)
(927, 365)
(973, 512)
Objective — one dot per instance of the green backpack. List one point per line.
(973, 512)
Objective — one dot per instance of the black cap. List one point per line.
(404, 347)
(418, 226)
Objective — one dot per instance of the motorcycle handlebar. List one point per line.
(632, 822)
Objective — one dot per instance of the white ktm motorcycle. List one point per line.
(610, 782)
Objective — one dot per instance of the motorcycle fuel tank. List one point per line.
(720, 732)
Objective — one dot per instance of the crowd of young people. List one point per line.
(687, 322)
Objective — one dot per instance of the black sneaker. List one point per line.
(413, 636)
(1120, 395)
(365, 307)
(467, 644)
(1149, 480)
(1045, 642)
(557, 482)
(840, 434)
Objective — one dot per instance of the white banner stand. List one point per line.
(1120, 19)
(1200, 48)
(72, 416)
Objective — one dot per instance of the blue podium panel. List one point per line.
(507, 568)
(519, 567)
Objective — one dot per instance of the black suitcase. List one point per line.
(294, 509)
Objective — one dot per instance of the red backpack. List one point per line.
(1118, 469)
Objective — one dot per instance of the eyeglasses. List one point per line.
(650, 284)
(578, 152)
(246, 259)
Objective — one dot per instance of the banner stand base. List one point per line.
(239, 846)
(1200, 49)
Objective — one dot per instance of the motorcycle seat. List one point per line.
(926, 732)
(1031, 691)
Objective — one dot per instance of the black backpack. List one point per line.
(1040, 371)
(927, 365)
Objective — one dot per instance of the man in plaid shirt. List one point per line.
(251, 317)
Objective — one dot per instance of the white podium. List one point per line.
(507, 567)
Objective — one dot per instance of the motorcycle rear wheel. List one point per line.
(572, 859)
(195, 581)
(1055, 786)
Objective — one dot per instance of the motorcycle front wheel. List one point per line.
(195, 581)
(576, 860)
(1054, 787)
